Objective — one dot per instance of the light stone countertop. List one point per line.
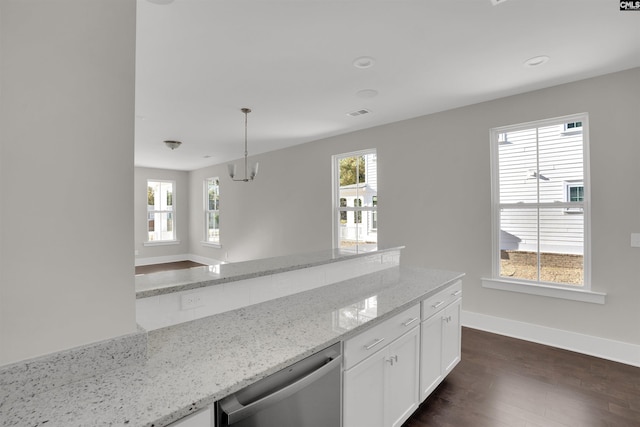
(191, 365)
(148, 285)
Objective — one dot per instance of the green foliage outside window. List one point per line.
(352, 170)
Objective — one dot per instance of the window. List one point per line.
(357, 214)
(212, 210)
(539, 176)
(374, 214)
(575, 192)
(355, 191)
(160, 211)
(343, 213)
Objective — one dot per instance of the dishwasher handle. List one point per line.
(235, 411)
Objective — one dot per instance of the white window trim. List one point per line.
(584, 292)
(205, 195)
(211, 245)
(160, 242)
(335, 193)
(546, 290)
(174, 199)
(567, 193)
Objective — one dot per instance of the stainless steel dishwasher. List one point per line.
(305, 394)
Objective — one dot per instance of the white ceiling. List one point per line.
(198, 62)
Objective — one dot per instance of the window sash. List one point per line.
(212, 228)
(162, 211)
(343, 221)
(498, 207)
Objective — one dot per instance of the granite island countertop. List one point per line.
(192, 278)
(191, 365)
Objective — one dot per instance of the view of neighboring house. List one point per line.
(541, 194)
(359, 190)
(555, 164)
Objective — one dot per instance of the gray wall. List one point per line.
(66, 173)
(181, 206)
(434, 192)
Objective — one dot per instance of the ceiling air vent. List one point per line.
(358, 112)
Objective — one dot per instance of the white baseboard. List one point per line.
(604, 348)
(176, 258)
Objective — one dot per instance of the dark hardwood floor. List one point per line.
(507, 382)
(154, 268)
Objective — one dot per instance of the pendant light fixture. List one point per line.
(232, 167)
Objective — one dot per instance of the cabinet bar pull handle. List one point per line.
(370, 346)
(408, 322)
(456, 293)
(438, 304)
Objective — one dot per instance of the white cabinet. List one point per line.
(202, 418)
(381, 389)
(440, 335)
(403, 369)
(451, 337)
(364, 389)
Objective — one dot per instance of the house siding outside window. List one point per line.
(540, 175)
(355, 200)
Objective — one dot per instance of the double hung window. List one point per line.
(160, 211)
(540, 198)
(212, 210)
(355, 200)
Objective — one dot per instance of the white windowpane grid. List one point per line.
(540, 189)
(212, 210)
(160, 209)
(356, 200)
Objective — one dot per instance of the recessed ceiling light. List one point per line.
(497, 2)
(364, 62)
(367, 93)
(536, 61)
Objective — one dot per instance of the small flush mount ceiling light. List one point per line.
(172, 144)
(536, 61)
(364, 62)
(232, 167)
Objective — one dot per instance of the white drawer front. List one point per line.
(433, 304)
(368, 342)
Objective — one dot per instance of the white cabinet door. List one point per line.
(440, 347)
(364, 391)
(383, 390)
(203, 418)
(431, 355)
(451, 337)
(402, 391)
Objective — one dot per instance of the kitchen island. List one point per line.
(189, 366)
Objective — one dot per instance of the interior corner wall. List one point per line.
(435, 198)
(161, 253)
(66, 131)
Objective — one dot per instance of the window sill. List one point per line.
(545, 290)
(211, 245)
(161, 243)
